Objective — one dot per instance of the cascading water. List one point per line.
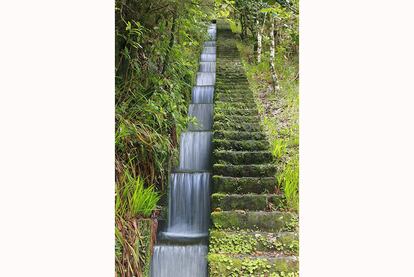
(189, 204)
(207, 67)
(195, 150)
(183, 252)
(203, 94)
(180, 261)
(206, 78)
(204, 115)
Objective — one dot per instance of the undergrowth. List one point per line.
(279, 112)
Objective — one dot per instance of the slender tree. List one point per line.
(275, 81)
(260, 29)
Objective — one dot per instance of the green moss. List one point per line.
(243, 185)
(239, 157)
(237, 126)
(238, 118)
(248, 242)
(240, 145)
(248, 170)
(223, 265)
(253, 202)
(225, 134)
(265, 221)
(245, 112)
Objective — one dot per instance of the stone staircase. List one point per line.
(250, 234)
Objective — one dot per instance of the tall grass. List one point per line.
(289, 177)
(134, 203)
(132, 199)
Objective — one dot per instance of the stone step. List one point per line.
(254, 220)
(220, 117)
(236, 80)
(231, 88)
(226, 134)
(251, 242)
(235, 105)
(228, 184)
(240, 145)
(230, 111)
(254, 266)
(242, 157)
(250, 202)
(233, 91)
(227, 97)
(235, 126)
(248, 170)
(232, 84)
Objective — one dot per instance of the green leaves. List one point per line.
(133, 198)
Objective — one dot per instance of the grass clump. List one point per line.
(134, 231)
(133, 198)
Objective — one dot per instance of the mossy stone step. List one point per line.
(228, 184)
(232, 81)
(220, 117)
(236, 126)
(253, 220)
(232, 87)
(230, 111)
(235, 105)
(240, 145)
(248, 170)
(234, 90)
(227, 97)
(242, 157)
(250, 202)
(226, 134)
(233, 93)
(249, 242)
(244, 265)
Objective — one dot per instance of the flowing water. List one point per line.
(183, 251)
(180, 261)
(189, 203)
(195, 150)
(204, 115)
(207, 67)
(205, 78)
(203, 94)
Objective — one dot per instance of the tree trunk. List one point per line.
(259, 39)
(275, 81)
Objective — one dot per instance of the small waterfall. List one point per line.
(207, 67)
(208, 58)
(203, 94)
(205, 78)
(210, 43)
(209, 50)
(212, 32)
(189, 206)
(189, 194)
(204, 115)
(195, 150)
(180, 261)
